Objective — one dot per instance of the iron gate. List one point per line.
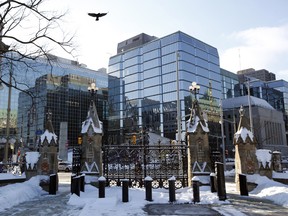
(135, 162)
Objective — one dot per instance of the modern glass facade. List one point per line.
(24, 73)
(67, 98)
(229, 84)
(143, 85)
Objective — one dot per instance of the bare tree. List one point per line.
(30, 33)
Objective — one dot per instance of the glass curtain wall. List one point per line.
(142, 85)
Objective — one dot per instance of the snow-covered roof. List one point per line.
(244, 133)
(193, 123)
(89, 122)
(243, 100)
(49, 136)
(264, 157)
(93, 121)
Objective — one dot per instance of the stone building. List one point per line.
(199, 162)
(92, 132)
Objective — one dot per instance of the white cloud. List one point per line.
(259, 48)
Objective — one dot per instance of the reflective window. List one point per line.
(202, 54)
(169, 87)
(151, 72)
(169, 49)
(151, 82)
(202, 63)
(168, 97)
(131, 78)
(151, 55)
(132, 86)
(169, 68)
(151, 91)
(151, 64)
(168, 58)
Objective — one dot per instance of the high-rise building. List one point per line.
(23, 74)
(262, 74)
(143, 84)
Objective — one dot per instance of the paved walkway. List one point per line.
(239, 205)
(46, 205)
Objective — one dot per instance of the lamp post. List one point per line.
(178, 99)
(250, 109)
(222, 135)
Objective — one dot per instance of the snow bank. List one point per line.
(14, 194)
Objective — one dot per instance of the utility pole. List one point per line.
(178, 101)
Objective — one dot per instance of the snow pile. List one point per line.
(112, 203)
(244, 133)
(271, 190)
(14, 194)
(264, 157)
(31, 158)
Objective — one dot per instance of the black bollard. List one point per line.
(148, 188)
(72, 186)
(243, 185)
(172, 196)
(196, 191)
(53, 184)
(220, 181)
(102, 184)
(82, 183)
(76, 181)
(212, 182)
(125, 190)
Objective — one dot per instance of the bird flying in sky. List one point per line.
(97, 15)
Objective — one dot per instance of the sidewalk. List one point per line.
(236, 205)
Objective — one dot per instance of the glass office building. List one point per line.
(23, 74)
(143, 84)
(67, 98)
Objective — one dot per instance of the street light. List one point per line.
(93, 90)
(194, 89)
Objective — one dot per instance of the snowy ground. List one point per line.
(89, 203)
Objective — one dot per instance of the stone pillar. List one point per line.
(63, 141)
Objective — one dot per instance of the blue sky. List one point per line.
(247, 33)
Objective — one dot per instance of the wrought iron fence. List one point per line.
(135, 162)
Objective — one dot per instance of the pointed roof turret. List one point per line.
(197, 117)
(49, 134)
(243, 132)
(92, 121)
